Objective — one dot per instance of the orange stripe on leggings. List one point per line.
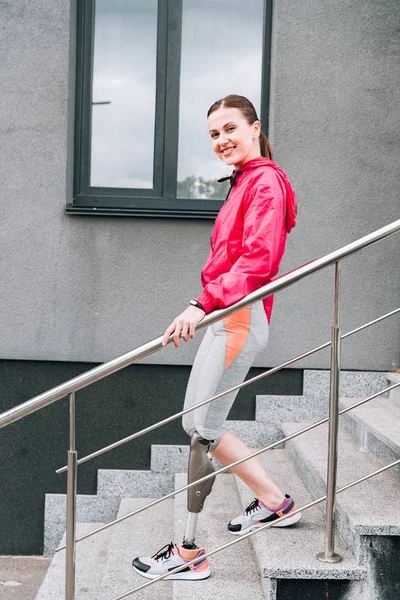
(237, 327)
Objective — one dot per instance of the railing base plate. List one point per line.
(335, 558)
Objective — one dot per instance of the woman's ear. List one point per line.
(257, 129)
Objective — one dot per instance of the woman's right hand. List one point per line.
(184, 325)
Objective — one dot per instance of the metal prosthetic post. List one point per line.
(200, 465)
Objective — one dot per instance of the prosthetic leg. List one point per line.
(200, 465)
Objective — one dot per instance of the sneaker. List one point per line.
(257, 514)
(168, 558)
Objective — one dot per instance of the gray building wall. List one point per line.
(88, 289)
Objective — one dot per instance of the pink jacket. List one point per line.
(249, 236)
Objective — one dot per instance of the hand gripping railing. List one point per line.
(73, 385)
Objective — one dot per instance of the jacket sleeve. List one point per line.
(264, 236)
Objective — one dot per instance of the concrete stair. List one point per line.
(277, 564)
(376, 426)
(367, 515)
(284, 562)
(112, 485)
(287, 556)
(141, 535)
(89, 509)
(363, 509)
(103, 561)
(391, 379)
(91, 556)
(271, 412)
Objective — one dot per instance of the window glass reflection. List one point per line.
(221, 55)
(124, 86)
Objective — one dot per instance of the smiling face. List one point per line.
(234, 140)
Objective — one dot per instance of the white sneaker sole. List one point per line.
(189, 575)
(289, 521)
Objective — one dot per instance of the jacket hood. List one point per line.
(261, 161)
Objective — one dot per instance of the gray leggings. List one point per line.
(223, 360)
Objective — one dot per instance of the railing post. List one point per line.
(71, 505)
(330, 555)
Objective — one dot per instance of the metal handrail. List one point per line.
(247, 535)
(227, 467)
(108, 368)
(137, 434)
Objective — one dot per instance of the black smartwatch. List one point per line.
(195, 303)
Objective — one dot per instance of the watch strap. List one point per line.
(196, 303)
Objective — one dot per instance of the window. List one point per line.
(147, 72)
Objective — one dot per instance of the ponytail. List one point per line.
(265, 147)
(266, 151)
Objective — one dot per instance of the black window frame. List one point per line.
(161, 200)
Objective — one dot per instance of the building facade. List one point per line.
(108, 199)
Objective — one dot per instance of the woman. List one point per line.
(247, 245)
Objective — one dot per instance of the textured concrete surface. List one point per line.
(234, 572)
(88, 509)
(362, 509)
(133, 484)
(169, 459)
(352, 383)
(21, 576)
(274, 410)
(376, 426)
(89, 289)
(142, 535)
(394, 378)
(91, 556)
(254, 433)
(313, 404)
(298, 545)
(269, 586)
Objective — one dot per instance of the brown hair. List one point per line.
(249, 113)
